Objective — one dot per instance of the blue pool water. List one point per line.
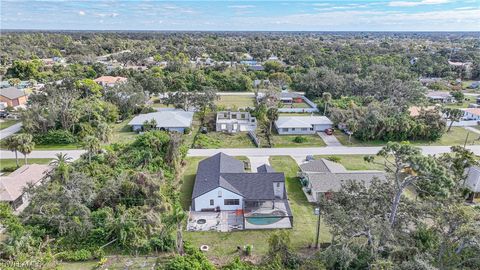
(263, 220)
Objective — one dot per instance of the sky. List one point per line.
(260, 15)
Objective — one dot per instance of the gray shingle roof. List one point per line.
(322, 165)
(225, 171)
(165, 119)
(265, 169)
(324, 182)
(11, 92)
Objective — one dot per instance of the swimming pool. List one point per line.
(265, 219)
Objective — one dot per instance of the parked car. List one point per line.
(203, 130)
(310, 158)
(329, 131)
(4, 114)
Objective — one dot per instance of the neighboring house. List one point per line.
(13, 97)
(415, 110)
(235, 121)
(302, 124)
(260, 198)
(12, 186)
(473, 182)
(471, 114)
(431, 80)
(176, 120)
(325, 177)
(289, 97)
(440, 97)
(110, 81)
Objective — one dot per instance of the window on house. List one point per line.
(211, 202)
(242, 116)
(231, 202)
(220, 193)
(278, 184)
(225, 115)
(234, 116)
(285, 129)
(293, 129)
(304, 129)
(311, 128)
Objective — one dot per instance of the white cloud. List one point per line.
(81, 13)
(417, 3)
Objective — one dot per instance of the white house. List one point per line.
(302, 124)
(232, 122)
(473, 182)
(12, 185)
(471, 114)
(440, 96)
(176, 120)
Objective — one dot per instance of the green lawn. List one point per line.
(355, 162)
(122, 133)
(217, 140)
(223, 245)
(10, 163)
(287, 141)
(456, 136)
(7, 123)
(233, 102)
(464, 104)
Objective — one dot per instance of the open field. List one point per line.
(456, 136)
(214, 140)
(7, 123)
(232, 102)
(223, 245)
(288, 141)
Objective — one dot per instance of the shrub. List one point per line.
(193, 260)
(59, 136)
(299, 139)
(9, 169)
(75, 256)
(187, 130)
(248, 250)
(334, 159)
(203, 141)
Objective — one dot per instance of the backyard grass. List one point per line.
(7, 123)
(232, 102)
(456, 136)
(464, 104)
(355, 162)
(215, 140)
(10, 162)
(288, 141)
(297, 105)
(223, 245)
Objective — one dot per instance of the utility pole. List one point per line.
(317, 240)
(466, 139)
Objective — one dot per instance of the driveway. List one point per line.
(329, 140)
(256, 162)
(7, 132)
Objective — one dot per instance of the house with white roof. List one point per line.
(440, 97)
(12, 186)
(471, 114)
(302, 124)
(175, 120)
(473, 182)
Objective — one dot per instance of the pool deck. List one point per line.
(223, 221)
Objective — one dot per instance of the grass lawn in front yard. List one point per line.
(122, 132)
(224, 245)
(232, 102)
(10, 162)
(456, 136)
(7, 123)
(288, 141)
(215, 140)
(355, 162)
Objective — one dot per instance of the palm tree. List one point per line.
(176, 218)
(327, 97)
(25, 144)
(104, 132)
(272, 115)
(12, 145)
(92, 145)
(61, 162)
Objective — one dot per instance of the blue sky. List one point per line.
(360, 15)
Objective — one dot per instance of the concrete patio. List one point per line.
(223, 221)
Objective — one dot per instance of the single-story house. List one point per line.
(110, 81)
(302, 124)
(235, 121)
(440, 96)
(415, 110)
(176, 120)
(325, 177)
(13, 96)
(221, 184)
(12, 186)
(473, 182)
(290, 97)
(471, 114)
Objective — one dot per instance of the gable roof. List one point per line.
(438, 94)
(474, 111)
(165, 119)
(227, 172)
(322, 165)
(301, 121)
(265, 169)
(11, 186)
(110, 79)
(325, 182)
(11, 92)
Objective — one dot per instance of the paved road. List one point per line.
(75, 154)
(341, 150)
(261, 153)
(6, 132)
